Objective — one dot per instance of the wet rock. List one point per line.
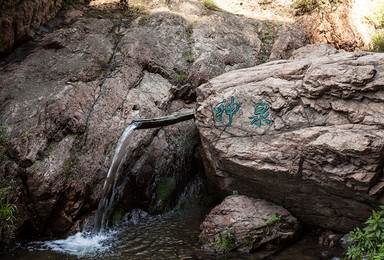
(306, 134)
(345, 241)
(328, 238)
(246, 223)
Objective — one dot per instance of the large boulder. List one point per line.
(247, 223)
(306, 134)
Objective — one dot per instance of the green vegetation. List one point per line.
(188, 55)
(267, 40)
(378, 42)
(210, 4)
(117, 216)
(376, 18)
(135, 9)
(202, 240)
(180, 76)
(26, 133)
(369, 242)
(67, 4)
(235, 192)
(7, 209)
(271, 220)
(308, 6)
(3, 141)
(143, 19)
(226, 242)
(165, 188)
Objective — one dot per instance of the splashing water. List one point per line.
(109, 191)
(82, 244)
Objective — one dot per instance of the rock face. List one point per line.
(306, 134)
(69, 99)
(19, 19)
(251, 223)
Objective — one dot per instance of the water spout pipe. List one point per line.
(165, 120)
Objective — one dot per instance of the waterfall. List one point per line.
(109, 189)
(109, 193)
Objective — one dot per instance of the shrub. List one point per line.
(368, 243)
(226, 242)
(378, 42)
(7, 209)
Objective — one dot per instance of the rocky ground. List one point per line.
(68, 94)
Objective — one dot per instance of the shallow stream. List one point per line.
(171, 236)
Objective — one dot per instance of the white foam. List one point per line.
(81, 244)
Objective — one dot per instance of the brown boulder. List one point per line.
(246, 223)
(308, 135)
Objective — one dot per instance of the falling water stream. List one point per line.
(109, 190)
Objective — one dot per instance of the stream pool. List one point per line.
(170, 236)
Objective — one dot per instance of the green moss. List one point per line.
(180, 76)
(165, 188)
(143, 19)
(117, 216)
(210, 4)
(202, 240)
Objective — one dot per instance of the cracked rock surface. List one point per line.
(308, 134)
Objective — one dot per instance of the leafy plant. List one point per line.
(272, 219)
(180, 76)
(188, 55)
(227, 242)
(7, 209)
(235, 192)
(369, 242)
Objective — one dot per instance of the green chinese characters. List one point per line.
(261, 113)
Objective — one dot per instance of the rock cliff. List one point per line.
(68, 98)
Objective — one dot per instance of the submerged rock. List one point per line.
(246, 223)
(306, 134)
